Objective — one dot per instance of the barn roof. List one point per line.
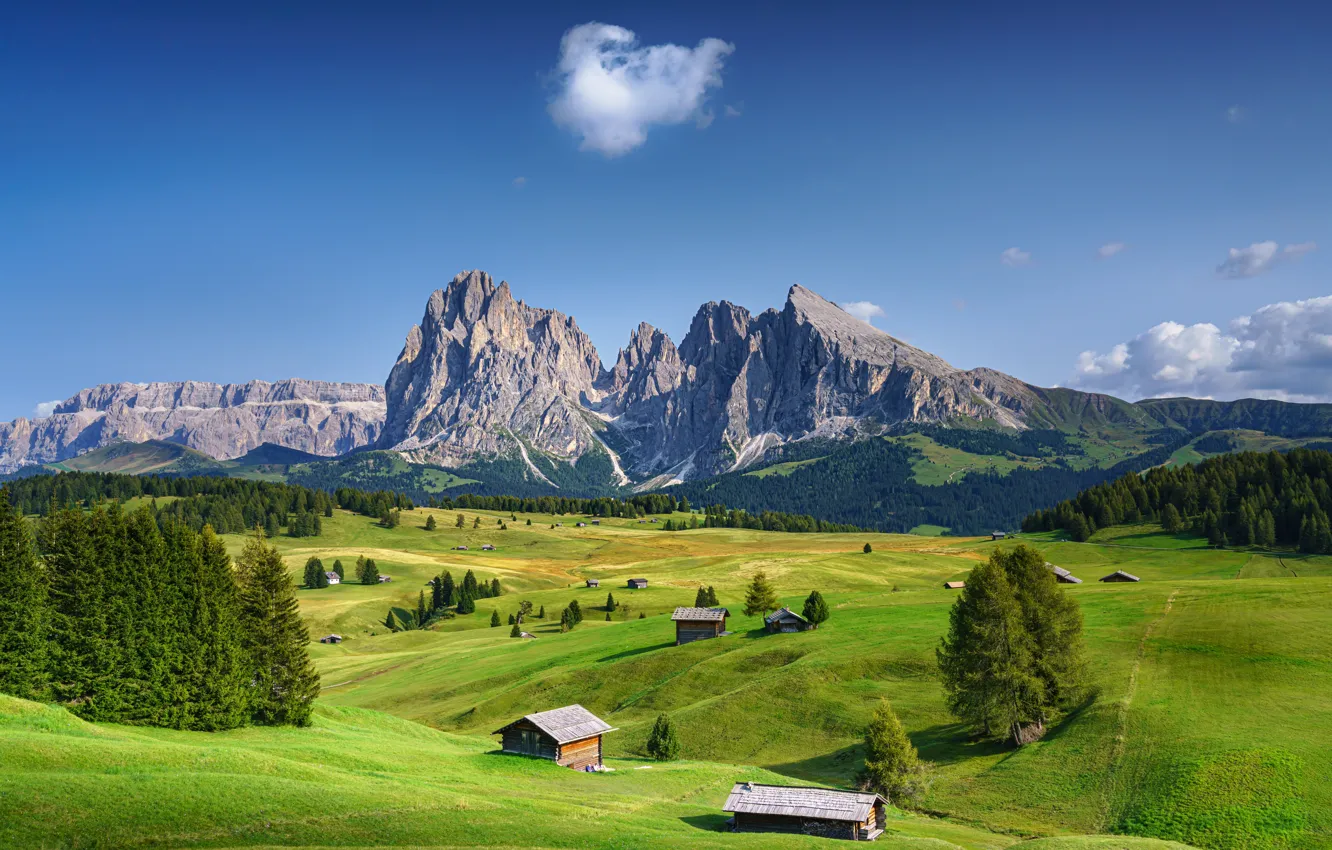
(709, 614)
(571, 723)
(1063, 574)
(1123, 575)
(955, 585)
(783, 614)
(820, 803)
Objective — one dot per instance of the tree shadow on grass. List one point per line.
(1071, 716)
(710, 823)
(949, 743)
(628, 653)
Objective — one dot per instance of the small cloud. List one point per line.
(734, 111)
(863, 310)
(959, 304)
(45, 409)
(1015, 257)
(1235, 114)
(611, 90)
(1109, 249)
(519, 182)
(1260, 257)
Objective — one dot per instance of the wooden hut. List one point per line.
(997, 535)
(331, 639)
(569, 736)
(1062, 575)
(592, 582)
(1120, 575)
(786, 620)
(693, 624)
(333, 578)
(805, 811)
(637, 583)
(955, 585)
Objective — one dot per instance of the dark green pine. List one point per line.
(23, 608)
(285, 683)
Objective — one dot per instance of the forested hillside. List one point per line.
(1253, 498)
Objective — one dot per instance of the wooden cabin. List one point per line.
(331, 639)
(955, 585)
(1062, 575)
(1120, 575)
(333, 578)
(596, 522)
(383, 579)
(786, 620)
(581, 524)
(997, 535)
(693, 624)
(637, 583)
(592, 582)
(488, 547)
(805, 811)
(569, 736)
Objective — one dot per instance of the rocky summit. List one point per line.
(221, 420)
(485, 375)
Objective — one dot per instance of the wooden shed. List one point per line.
(1120, 575)
(997, 535)
(592, 582)
(955, 585)
(1062, 575)
(331, 639)
(693, 624)
(786, 620)
(637, 583)
(805, 811)
(569, 736)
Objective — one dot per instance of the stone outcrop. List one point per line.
(221, 420)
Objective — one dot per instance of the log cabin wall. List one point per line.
(688, 631)
(580, 754)
(747, 822)
(526, 739)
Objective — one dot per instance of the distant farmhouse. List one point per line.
(331, 639)
(637, 583)
(693, 624)
(333, 578)
(383, 579)
(592, 582)
(1120, 575)
(997, 535)
(955, 585)
(805, 811)
(786, 620)
(1062, 575)
(488, 547)
(569, 736)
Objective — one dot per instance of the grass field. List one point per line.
(1208, 725)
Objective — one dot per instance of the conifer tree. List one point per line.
(1053, 621)
(476, 521)
(567, 620)
(1171, 523)
(360, 568)
(701, 598)
(459, 523)
(760, 598)
(285, 683)
(495, 589)
(663, 744)
(23, 608)
(890, 758)
(470, 586)
(371, 572)
(868, 549)
(712, 597)
(541, 615)
(466, 604)
(577, 611)
(223, 669)
(494, 618)
(390, 621)
(815, 610)
(516, 631)
(608, 617)
(430, 523)
(512, 619)
(421, 612)
(529, 520)
(338, 571)
(448, 592)
(610, 602)
(642, 615)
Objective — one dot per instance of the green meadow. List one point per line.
(1207, 725)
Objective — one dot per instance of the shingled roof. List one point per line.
(565, 725)
(782, 614)
(820, 803)
(1063, 574)
(709, 614)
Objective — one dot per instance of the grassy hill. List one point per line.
(154, 457)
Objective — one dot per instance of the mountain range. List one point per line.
(508, 395)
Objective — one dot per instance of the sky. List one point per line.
(1132, 198)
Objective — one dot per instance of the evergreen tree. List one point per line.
(529, 520)
(662, 743)
(516, 631)
(390, 621)
(337, 570)
(495, 589)
(270, 526)
(567, 620)
(23, 608)
(448, 591)
(868, 549)
(986, 659)
(421, 613)
(459, 523)
(494, 618)
(360, 569)
(1078, 530)
(610, 602)
(890, 758)
(220, 676)
(642, 615)
(1053, 621)
(371, 572)
(430, 523)
(608, 617)
(512, 619)
(577, 611)
(476, 521)
(712, 597)
(816, 610)
(1171, 522)
(466, 604)
(470, 586)
(760, 598)
(701, 598)
(285, 683)
(541, 615)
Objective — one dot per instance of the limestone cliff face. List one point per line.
(221, 420)
(482, 372)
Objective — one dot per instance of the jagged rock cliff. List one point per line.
(224, 421)
(485, 375)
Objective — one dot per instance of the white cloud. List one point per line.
(1281, 351)
(734, 111)
(1015, 257)
(1235, 114)
(1109, 249)
(611, 90)
(519, 182)
(863, 310)
(45, 409)
(1260, 257)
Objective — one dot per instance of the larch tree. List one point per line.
(663, 744)
(285, 682)
(760, 598)
(815, 610)
(23, 608)
(890, 759)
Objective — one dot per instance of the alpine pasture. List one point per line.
(1207, 724)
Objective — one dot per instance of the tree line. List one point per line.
(123, 620)
(1251, 498)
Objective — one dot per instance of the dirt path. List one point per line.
(1121, 731)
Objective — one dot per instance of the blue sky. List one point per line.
(231, 191)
